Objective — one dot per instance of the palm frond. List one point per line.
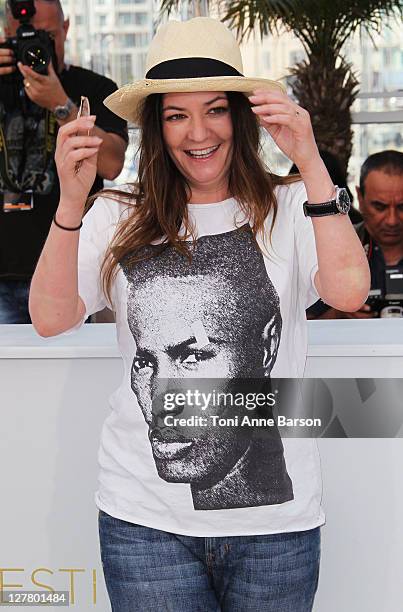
(243, 16)
(167, 6)
(317, 23)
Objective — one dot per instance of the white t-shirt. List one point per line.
(248, 305)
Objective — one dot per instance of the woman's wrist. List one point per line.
(318, 184)
(65, 227)
(69, 215)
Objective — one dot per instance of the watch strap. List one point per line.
(321, 210)
(340, 204)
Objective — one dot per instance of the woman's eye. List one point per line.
(140, 363)
(222, 109)
(172, 117)
(217, 110)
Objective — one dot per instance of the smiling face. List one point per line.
(48, 17)
(381, 206)
(196, 123)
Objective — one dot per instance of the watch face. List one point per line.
(61, 112)
(343, 201)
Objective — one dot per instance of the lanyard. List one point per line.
(47, 149)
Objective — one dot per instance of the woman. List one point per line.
(209, 264)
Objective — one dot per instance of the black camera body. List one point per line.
(34, 48)
(389, 303)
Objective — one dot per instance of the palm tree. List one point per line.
(198, 7)
(323, 83)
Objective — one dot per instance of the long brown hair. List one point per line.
(159, 197)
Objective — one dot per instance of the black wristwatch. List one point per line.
(62, 112)
(340, 205)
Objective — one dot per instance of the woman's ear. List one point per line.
(271, 341)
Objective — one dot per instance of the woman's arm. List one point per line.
(54, 303)
(343, 278)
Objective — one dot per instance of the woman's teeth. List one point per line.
(203, 154)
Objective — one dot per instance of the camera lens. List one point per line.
(36, 57)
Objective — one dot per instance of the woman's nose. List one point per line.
(198, 130)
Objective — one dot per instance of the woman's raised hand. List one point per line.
(288, 124)
(75, 145)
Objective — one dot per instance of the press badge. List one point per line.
(15, 202)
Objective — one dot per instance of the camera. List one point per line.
(34, 48)
(389, 303)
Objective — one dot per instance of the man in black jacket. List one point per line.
(380, 197)
(30, 136)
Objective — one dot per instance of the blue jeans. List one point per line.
(148, 570)
(14, 301)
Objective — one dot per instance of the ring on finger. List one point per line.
(27, 84)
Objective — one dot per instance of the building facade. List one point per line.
(110, 36)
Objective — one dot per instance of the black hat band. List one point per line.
(191, 68)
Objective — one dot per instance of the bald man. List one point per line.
(380, 197)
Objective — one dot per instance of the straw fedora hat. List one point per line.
(196, 55)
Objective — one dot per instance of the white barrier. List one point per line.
(53, 399)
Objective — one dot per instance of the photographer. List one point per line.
(29, 122)
(380, 197)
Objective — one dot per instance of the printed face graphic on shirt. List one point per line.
(217, 318)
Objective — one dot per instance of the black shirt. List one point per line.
(23, 234)
(377, 267)
(376, 259)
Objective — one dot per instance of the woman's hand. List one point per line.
(74, 145)
(365, 312)
(288, 124)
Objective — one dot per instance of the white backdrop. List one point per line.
(53, 399)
